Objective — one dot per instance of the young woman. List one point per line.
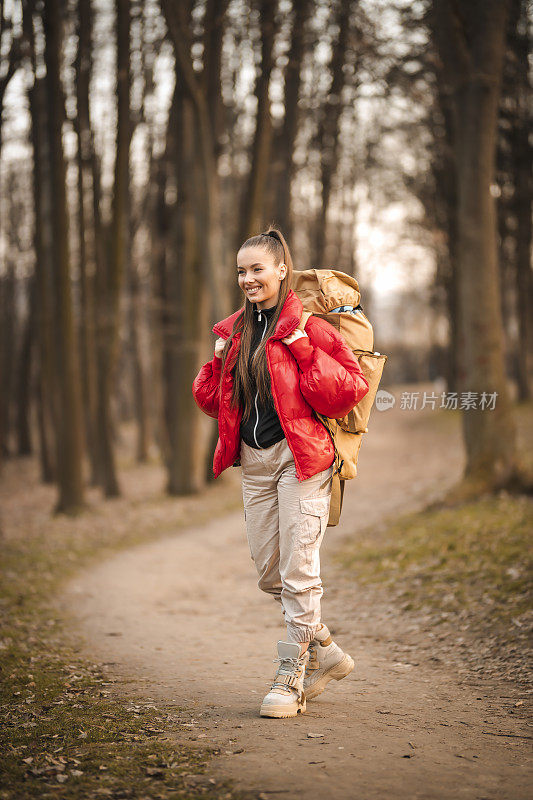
(264, 382)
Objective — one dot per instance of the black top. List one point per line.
(263, 428)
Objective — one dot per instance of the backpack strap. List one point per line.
(337, 496)
(303, 321)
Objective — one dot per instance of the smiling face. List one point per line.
(259, 275)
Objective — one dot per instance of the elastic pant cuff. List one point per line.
(300, 633)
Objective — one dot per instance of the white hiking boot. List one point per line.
(286, 697)
(326, 662)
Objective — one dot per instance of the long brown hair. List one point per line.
(273, 242)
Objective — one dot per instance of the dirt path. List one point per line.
(182, 620)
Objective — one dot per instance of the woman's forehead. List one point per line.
(253, 255)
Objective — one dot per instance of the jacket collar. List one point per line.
(288, 321)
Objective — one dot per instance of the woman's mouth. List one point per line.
(253, 290)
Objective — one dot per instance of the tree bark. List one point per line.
(253, 200)
(24, 382)
(207, 210)
(69, 440)
(42, 244)
(328, 134)
(522, 156)
(87, 232)
(184, 317)
(471, 42)
(139, 388)
(446, 202)
(205, 260)
(283, 168)
(109, 285)
(7, 350)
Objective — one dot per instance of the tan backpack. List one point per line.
(334, 296)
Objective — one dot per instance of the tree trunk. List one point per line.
(7, 351)
(183, 317)
(69, 440)
(446, 211)
(87, 238)
(109, 286)
(24, 446)
(471, 45)
(139, 387)
(283, 167)
(521, 154)
(207, 209)
(45, 430)
(328, 135)
(208, 264)
(252, 210)
(42, 194)
(157, 309)
(253, 207)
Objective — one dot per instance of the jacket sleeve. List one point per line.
(206, 385)
(331, 379)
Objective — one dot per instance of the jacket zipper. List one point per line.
(276, 406)
(257, 393)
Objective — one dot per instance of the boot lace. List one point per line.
(288, 666)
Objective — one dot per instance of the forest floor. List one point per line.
(168, 618)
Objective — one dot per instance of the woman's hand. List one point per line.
(219, 347)
(297, 334)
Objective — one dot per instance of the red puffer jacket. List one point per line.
(319, 372)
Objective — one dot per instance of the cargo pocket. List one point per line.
(315, 513)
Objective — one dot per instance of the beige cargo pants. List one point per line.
(285, 524)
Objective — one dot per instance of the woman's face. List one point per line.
(259, 275)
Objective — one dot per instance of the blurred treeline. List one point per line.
(144, 140)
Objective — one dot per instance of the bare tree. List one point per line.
(283, 164)
(207, 209)
(253, 199)
(110, 281)
(68, 434)
(47, 406)
(88, 176)
(24, 377)
(470, 41)
(328, 130)
(521, 157)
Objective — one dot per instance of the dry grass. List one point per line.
(467, 568)
(65, 731)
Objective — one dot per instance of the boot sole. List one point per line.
(337, 673)
(280, 712)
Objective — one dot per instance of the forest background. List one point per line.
(141, 143)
